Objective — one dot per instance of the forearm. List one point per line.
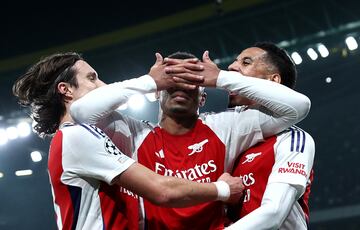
(166, 191)
(276, 204)
(184, 193)
(102, 101)
(287, 105)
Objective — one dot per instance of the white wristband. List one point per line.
(223, 190)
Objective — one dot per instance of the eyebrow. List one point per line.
(92, 74)
(244, 58)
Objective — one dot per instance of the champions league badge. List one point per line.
(111, 148)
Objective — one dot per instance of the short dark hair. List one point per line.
(181, 55)
(37, 89)
(279, 58)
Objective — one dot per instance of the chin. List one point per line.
(182, 111)
(179, 110)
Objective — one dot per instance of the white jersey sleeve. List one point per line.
(276, 204)
(278, 108)
(237, 129)
(285, 107)
(126, 132)
(294, 158)
(100, 102)
(88, 152)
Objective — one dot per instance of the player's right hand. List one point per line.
(236, 187)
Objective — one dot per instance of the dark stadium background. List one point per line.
(119, 40)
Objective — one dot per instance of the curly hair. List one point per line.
(280, 59)
(37, 89)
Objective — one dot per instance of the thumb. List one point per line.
(159, 59)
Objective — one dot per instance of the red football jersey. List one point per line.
(198, 156)
(287, 158)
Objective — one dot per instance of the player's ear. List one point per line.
(275, 77)
(202, 99)
(64, 89)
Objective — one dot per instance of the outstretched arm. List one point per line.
(176, 192)
(89, 153)
(100, 102)
(286, 105)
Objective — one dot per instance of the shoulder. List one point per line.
(229, 112)
(129, 120)
(295, 132)
(82, 131)
(148, 124)
(296, 140)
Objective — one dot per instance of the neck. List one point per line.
(67, 117)
(178, 126)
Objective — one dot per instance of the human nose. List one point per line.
(233, 67)
(100, 83)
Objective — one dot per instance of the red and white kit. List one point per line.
(202, 154)
(272, 172)
(83, 161)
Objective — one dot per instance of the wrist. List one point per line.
(157, 82)
(223, 190)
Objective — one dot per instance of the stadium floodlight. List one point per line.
(324, 52)
(351, 43)
(151, 97)
(23, 129)
(25, 172)
(328, 80)
(1, 175)
(312, 54)
(36, 156)
(136, 102)
(3, 137)
(296, 57)
(217, 61)
(12, 133)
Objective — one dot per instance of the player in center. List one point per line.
(186, 144)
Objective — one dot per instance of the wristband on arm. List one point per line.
(223, 190)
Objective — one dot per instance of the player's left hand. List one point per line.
(236, 187)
